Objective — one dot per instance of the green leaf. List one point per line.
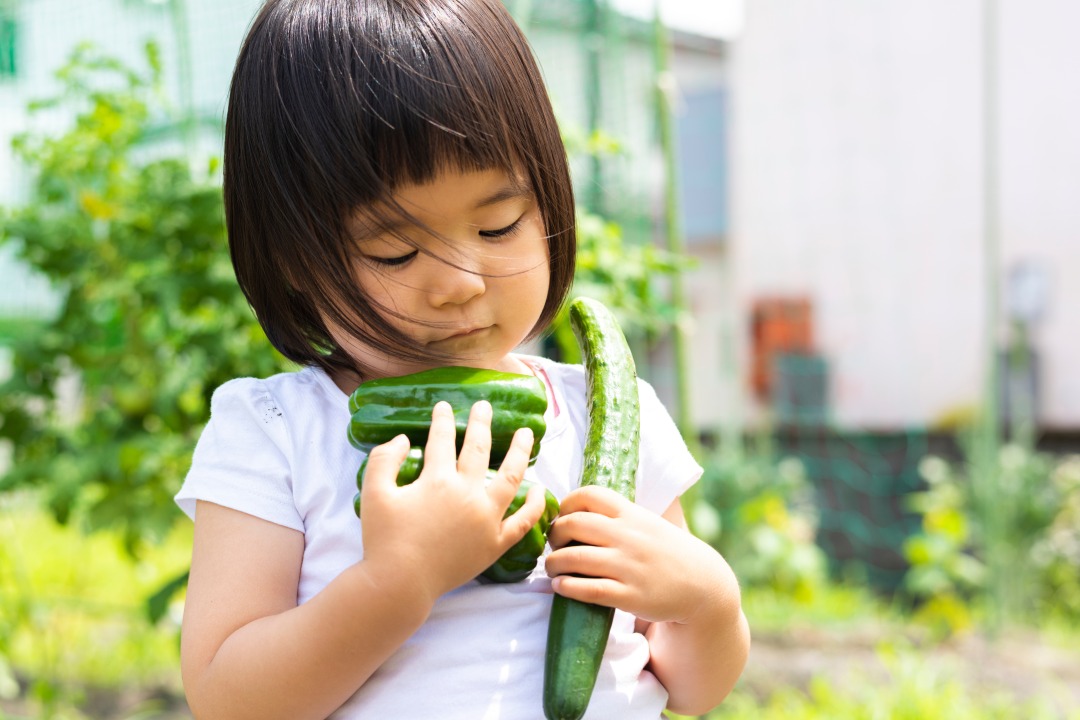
(157, 605)
(109, 393)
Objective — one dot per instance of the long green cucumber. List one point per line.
(577, 631)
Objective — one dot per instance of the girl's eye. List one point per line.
(502, 232)
(393, 261)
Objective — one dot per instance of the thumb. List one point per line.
(382, 465)
(525, 517)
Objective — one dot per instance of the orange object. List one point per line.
(777, 325)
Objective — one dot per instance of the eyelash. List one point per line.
(394, 261)
(507, 231)
(502, 232)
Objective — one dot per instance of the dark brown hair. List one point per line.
(334, 104)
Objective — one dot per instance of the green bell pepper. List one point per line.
(516, 563)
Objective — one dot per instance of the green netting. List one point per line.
(861, 478)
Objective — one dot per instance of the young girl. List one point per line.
(398, 199)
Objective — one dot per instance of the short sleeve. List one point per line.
(243, 457)
(666, 468)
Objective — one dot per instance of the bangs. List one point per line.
(378, 99)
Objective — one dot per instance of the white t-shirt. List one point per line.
(277, 449)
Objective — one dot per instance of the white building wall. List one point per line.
(1040, 164)
(857, 180)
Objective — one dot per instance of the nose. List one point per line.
(454, 282)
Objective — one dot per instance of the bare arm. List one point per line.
(683, 592)
(699, 659)
(249, 651)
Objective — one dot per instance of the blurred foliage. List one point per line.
(901, 685)
(944, 574)
(758, 512)
(629, 278)
(1055, 554)
(70, 617)
(1040, 531)
(106, 399)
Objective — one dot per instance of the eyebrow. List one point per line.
(513, 189)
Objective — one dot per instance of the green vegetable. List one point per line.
(384, 408)
(516, 563)
(408, 471)
(577, 631)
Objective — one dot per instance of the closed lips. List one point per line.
(465, 333)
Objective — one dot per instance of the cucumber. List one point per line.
(577, 631)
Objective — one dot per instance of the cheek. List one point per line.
(532, 291)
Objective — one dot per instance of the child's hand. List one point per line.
(445, 528)
(633, 559)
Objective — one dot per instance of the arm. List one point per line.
(684, 594)
(700, 658)
(249, 650)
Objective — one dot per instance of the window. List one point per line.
(703, 166)
(7, 40)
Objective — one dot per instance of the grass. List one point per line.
(72, 610)
(829, 607)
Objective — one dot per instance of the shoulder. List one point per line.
(269, 398)
(243, 396)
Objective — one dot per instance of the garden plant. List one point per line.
(104, 399)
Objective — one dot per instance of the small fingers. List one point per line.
(520, 522)
(596, 591)
(476, 448)
(583, 561)
(512, 470)
(593, 498)
(440, 447)
(589, 528)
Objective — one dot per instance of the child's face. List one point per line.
(480, 291)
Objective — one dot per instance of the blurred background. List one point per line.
(843, 239)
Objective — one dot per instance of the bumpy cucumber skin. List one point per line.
(577, 631)
(384, 408)
(611, 395)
